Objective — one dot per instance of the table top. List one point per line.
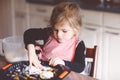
(77, 76)
(71, 76)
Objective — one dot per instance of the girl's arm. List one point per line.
(33, 34)
(30, 37)
(78, 63)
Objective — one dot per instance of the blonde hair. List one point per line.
(67, 12)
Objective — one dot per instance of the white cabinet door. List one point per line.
(19, 12)
(111, 55)
(20, 5)
(91, 35)
(92, 17)
(39, 15)
(38, 21)
(20, 23)
(111, 20)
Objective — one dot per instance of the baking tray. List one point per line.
(14, 72)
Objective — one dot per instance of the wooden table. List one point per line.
(77, 76)
(71, 76)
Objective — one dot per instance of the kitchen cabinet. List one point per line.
(5, 19)
(19, 19)
(22, 15)
(111, 44)
(111, 54)
(92, 17)
(103, 29)
(39, 15)
(13, 17)
(92, 24)
(111, 20)
(30, 15)
(92, 34)
(20, 24)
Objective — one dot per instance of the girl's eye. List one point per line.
(64, 31)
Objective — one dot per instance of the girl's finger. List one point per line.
(30, 63)
(51, 61)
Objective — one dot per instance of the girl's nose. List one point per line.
(59, 34)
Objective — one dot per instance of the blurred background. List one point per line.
(101, 27)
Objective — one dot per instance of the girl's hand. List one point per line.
(34, 61)
(33, 58)
(56, 61)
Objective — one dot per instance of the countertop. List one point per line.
(99, 6)
(3, 61)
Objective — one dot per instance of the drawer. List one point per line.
(92, 17)
(37, 21)
(20, 5)
(111, 20)
(40, 9)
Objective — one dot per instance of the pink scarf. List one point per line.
(53, 49)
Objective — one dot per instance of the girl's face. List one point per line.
(63, 33)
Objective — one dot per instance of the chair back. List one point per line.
(91, 60)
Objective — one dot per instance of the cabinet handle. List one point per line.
(113, 33)
(46, 20)
(91, 29)
(20, 15)
(41, 10)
